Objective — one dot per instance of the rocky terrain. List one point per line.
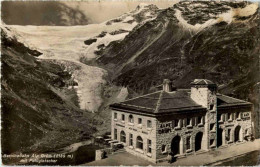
(218, 41)
(38, 108)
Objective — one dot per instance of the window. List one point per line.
(164, 148)
(189, 122)
(211, 142)
(221, 118)
(188, 141)
(130, 139)
(131, 119)
(115, 134)
(199, 120)
(122, 137)
(139, 120)
(139, 143)
(115, 115)
(179, 123)
(229, 135)
(237, 115)
(149, 124)
(229, 116)
(184, 122)
(211, 127)
(211, 106)
(123, 117)
(149, 146)
(174, 123)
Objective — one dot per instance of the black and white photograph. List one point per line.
(130, 83)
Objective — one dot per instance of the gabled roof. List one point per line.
(161, 102)
(202, 82)
(227, 101)
(179, 101)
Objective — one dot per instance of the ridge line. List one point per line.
(158, 102)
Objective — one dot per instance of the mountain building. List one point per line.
(182, 122)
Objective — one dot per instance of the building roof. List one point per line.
(161, 102)
(202, 82)
(227, 101)
(179, 101)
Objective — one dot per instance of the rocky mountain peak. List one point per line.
(141, 14)
(197, 15)
(142, 6)
(187, 41)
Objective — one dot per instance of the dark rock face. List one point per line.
(90, 41)
(39, 113)
(163, 48)
(42, 13)
(101, 46)
(102, 34)
(118, 32)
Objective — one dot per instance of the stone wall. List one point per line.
(244, 122)
(165, 137)
(137, 130)
(204, 96)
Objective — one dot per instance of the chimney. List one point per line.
(167, 85)
(203, 92)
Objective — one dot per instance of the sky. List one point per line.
(76, 12)
(104, 10)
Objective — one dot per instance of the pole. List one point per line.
(216, 122)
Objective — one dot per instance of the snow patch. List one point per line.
(196, 27)
(199, 5)
(128, 18)
(148, 14)
(247, 11)
(122, 94)
(61, 42)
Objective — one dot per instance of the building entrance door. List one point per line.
(175, 145)
(219, 137)
(198, 141)
(237, 135)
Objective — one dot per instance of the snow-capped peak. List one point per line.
(141, 6)
(144, 7)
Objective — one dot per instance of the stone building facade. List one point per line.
(178, 123)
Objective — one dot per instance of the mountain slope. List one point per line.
(214, 40)
(37, 106)
(42, 13)
(75, 47)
